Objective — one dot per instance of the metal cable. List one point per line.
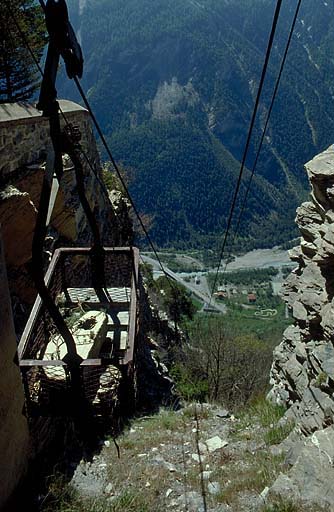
(67, 123)
(120, 177)
(103, 187)
(264, 130)
(25, 41)
(250, 131)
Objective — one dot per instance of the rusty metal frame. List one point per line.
(133, 308)
(33, 317)
(36, 310)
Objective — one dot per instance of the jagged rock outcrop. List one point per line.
(310, 480)
(302, 373)
(169, 98)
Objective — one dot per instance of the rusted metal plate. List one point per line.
(41, 362)
(91, 362)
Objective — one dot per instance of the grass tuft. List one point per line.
(281, 507)
(261, 412)
(266, 412)
(197, 410)
(278, 433)
(257, 472)
(129, 501)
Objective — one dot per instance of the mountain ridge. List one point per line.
(172, 81)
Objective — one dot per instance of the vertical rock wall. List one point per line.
(25, 133)
(14, 437)
(302, 374)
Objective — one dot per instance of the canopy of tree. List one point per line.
(19, 76)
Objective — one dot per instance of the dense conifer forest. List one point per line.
(173, 83)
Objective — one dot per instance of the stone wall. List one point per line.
(24, 135)
(14, 437)
(303, 370)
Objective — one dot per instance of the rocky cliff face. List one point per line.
(303, 370)
(302, 374)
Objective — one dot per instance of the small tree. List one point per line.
(19, 76)
(177, 301)
(233, 369)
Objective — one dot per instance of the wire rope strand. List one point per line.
(250, 131)
(25, 41)
(119, 174)
(278, 80)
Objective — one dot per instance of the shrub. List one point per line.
(220, 366)
(191, 387)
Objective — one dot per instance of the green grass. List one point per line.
(166, 420)
(129, 501)
(258, 471)
(266, 412)
(266, 415)
(278, 433)
(61, 497)
(197, 303)
(70, 501)
(261, 411)
(196, 410)
(281, 507)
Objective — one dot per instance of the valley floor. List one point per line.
(260, 258)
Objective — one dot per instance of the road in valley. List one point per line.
(196, 281)
(200, 290)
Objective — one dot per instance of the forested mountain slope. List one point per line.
(173, 83)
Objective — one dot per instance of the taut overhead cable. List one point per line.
(250, 132)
